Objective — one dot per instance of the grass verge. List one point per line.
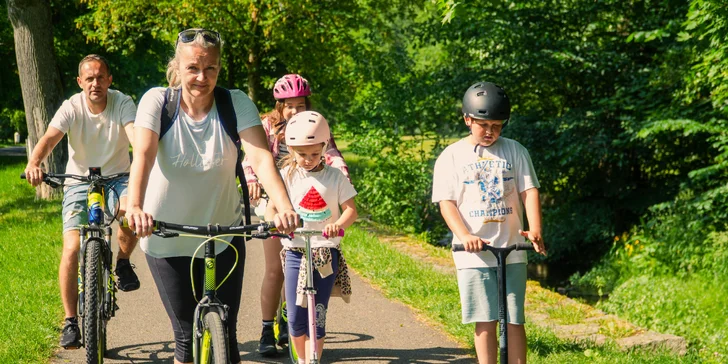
(434, 295)
(30, 312)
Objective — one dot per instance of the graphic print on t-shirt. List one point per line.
(313, 207)
(494, 181)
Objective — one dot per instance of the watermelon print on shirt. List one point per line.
(313, 207)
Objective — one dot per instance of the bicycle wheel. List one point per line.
(280, 325)
(94, 326)
(214, 341)
(292, 351)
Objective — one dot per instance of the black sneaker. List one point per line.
(267, 345)
(128, 280)
(70, 335)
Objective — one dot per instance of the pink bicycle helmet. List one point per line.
(290, 86)
(307, 128)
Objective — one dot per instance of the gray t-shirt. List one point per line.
(193, 178)
(96, 140)
(486, 188)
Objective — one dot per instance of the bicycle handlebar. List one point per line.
(53, 179)
(161, 228)
(517, 246)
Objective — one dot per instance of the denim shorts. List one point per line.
(479, 293)
(75, 207)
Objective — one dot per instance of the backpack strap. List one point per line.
(170, 109)
(226, 112)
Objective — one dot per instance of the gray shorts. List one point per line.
(75, 207)
(479, 293)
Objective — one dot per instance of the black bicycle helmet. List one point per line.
(487, 101)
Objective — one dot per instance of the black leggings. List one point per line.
(172, 277)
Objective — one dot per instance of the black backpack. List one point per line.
(226, 113)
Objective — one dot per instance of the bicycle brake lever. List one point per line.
(165, 234)
(53, 182)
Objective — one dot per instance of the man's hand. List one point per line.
(33, 174)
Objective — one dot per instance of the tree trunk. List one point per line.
(39, 78)
(253, 62)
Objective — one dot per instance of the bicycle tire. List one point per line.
(214, 347)
(292, 354)
(94, 326)
(281, 318)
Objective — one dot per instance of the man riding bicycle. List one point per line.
(99, 123)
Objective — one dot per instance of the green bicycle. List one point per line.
(96, 284)
(209, 332)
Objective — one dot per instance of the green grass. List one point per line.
(31, 311)
(435, 296)
(695, 307)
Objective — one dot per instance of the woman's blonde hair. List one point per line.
(173, 65)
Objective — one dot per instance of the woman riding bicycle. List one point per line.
(188, 175)
(291, 93)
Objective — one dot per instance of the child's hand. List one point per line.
(536, 240)
(473, 244)
(332, 230)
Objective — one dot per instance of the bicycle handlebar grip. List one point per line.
(22, 175)
(341, 233)
(458, 248)
(524, 246)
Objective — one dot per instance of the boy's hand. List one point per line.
(536, 240)
(473, 244)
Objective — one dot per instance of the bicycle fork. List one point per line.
(208, 303)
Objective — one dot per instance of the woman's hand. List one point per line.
(331, 230)
(286, 221)
(140, 222)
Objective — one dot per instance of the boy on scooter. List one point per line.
(482, 184)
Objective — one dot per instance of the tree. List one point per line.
(39, 78)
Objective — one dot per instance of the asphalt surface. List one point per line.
(369, 329)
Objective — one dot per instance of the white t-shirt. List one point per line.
(487, 191)
(317, 197)
(96, 140)
(193, 178)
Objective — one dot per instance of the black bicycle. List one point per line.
(500, 255)
(96, 284)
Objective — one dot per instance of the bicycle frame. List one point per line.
(500, 255)
(97, 231)
(210, 302)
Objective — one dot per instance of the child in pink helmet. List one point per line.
(291, 93)
(324, 198)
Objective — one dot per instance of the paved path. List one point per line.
(13, 152)
(370, 329)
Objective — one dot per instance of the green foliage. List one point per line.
(12, 121)
(693, 307)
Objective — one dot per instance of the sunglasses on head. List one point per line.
(189, 35)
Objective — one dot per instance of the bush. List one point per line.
(12, 121)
